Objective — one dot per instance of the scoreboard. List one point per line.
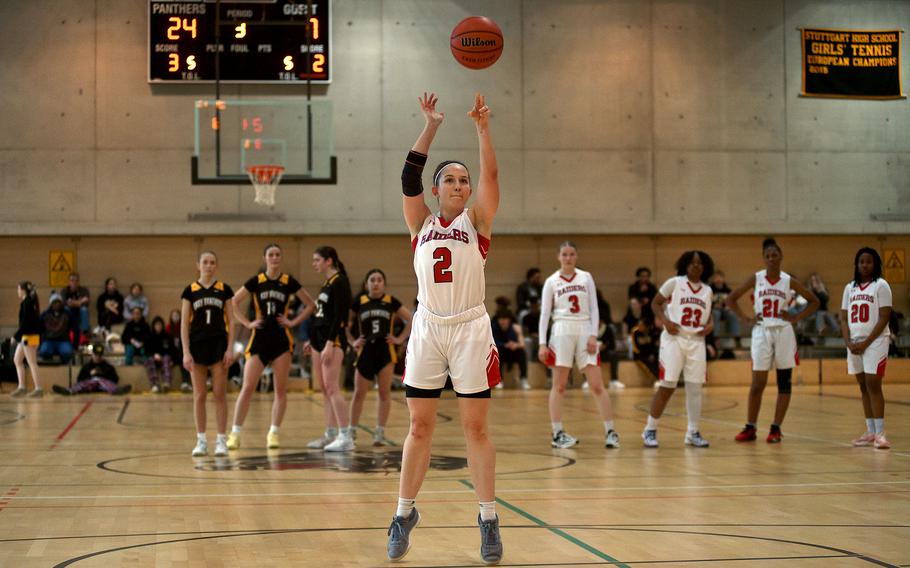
(261, 41)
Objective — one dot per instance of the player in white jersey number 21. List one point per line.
(569, 294)
(451, 333)
(686, 320)
(866, 309)
(773, 339)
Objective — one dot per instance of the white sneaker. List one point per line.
(320, 443)
(221, 449)
(156, 389)
(584, 385)
(563, 440)
(525, 385)
(379, 437)
(612, 440)
(201, 449)
(499, 385)
(341, 444)
(695, 439)
(618, 385)
(649, 437)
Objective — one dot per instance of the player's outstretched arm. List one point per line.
(415, 208)
(487, 202)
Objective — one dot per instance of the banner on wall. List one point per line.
(851, 64)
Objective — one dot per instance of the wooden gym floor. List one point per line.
(106, 481)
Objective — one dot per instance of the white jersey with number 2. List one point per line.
(449, 260)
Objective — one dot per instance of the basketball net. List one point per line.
(265, 179)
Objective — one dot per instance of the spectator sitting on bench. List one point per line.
(95, 376)
(511, 346)
(158, 362)
(136, 299)
(76, 300)
(55, 339)
(136, 334)
(110, 305)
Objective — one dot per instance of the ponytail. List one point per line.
(328, 252)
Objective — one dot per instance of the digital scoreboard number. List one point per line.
(262, 41)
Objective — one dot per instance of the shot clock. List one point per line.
(264, 41)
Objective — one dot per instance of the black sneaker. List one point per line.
(61, 390)
(123, 389)
(490, 541)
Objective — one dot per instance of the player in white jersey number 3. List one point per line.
(451, 335)
(569, 294)
(686, 322)
(866, 309)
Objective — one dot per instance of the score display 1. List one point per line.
(260, 41)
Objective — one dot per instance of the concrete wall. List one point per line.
(635, 116)
(164, 265)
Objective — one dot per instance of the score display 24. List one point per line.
(260, 42)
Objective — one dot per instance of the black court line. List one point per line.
(837, 552)
(126, 405)
(265, 531)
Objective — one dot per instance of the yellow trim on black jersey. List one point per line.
(195, 287)
(219, 285)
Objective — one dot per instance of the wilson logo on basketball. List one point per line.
(477, 42)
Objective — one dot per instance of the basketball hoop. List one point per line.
(265, 179)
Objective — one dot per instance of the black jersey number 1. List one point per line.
(442, 272)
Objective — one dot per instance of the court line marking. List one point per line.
(558, 532)
(461, 491)
(72, 423)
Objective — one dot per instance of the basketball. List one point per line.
(476, 42)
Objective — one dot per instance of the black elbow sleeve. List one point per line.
(411, 174)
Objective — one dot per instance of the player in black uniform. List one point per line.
(374, 312)
(328, 342)
(272, 341)
(28, 337)
(207, 332)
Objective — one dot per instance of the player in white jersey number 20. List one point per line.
(773, 339)
(451, 333)
(865, 311)
(683, 308)
(570, 296)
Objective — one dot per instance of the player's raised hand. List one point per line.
(480, 113)
(428, 107)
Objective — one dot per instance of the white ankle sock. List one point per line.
(200, 436)
(273, 429)
(608, 425)
(236, 429)
(879, 425)
(487, 510)
(870, 425)
(556, 426)
(331, 433)
(405, 506)
(221, 438)
(652, 423)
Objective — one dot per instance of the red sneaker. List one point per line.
(774, 437)
(747, 435)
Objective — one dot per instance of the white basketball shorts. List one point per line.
(459, 346)
(774, 344)
(682, 355)
(872, 361)
(569, 342)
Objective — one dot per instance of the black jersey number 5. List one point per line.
(442, 271)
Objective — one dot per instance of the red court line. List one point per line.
(69, 426)
(5, 499)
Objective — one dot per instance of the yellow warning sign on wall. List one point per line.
(60, 264)
(894, 267)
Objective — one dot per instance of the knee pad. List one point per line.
(784, 385)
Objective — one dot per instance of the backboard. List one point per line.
(232, 134)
